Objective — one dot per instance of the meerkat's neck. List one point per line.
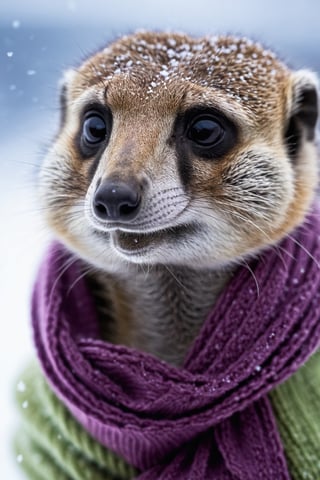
(159, 311)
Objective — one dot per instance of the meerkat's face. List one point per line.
(174, 150)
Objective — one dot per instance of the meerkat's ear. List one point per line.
(64, 84)
(303, 110)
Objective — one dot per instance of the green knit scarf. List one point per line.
(51, 445)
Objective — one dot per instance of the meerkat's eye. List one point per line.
(205, 131)
(94, 129)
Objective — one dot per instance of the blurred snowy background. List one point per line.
(39, 39)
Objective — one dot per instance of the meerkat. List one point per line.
(177, 159)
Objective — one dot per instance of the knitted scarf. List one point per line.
(212, 418)
(50, 444)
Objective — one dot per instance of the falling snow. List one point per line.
(21, 387)
(16, 24)
(242, 69)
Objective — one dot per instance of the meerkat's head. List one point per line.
(176, 150)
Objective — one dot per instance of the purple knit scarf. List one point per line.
(210, 419)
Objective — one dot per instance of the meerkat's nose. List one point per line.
(115, 200)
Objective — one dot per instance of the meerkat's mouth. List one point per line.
(132, 243)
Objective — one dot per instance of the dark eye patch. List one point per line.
(206, 132)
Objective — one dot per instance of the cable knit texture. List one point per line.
(211, 419)
(51, 444)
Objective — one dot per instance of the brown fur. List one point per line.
(236, 206)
